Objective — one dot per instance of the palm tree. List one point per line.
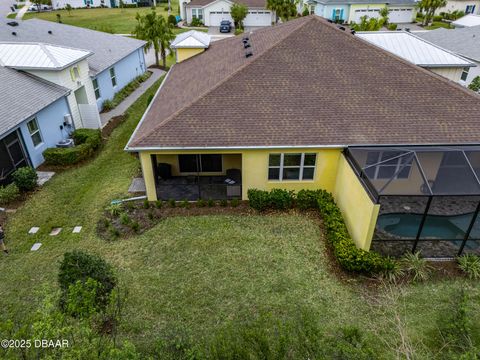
(156, 31)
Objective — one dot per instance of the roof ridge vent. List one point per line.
(248, 54)
(341, 28)
(246, 45)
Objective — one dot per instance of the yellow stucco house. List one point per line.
(306, 105)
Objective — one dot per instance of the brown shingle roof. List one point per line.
(307, 83)
(250, 3)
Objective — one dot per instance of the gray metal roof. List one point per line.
(107, 48)
(464, 41)
(366, 2)
(23, 95)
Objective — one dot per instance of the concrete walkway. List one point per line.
(23, 10)
(130, 99)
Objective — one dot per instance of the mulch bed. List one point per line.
(111, 125)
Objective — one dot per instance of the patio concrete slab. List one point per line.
(44, 176)
(137, 186)
(55, 231)
(77, 229)
(33, 230)
(36, 246)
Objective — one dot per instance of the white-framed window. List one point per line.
(464, 75)
(34, 131)
(197, 13)
(291, 166)
(113, 77)
(74, 73)
(470, 9)
(399, 165)
(96, 89)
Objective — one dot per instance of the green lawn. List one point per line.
(437, 25)
(254, 285)
(117, 21)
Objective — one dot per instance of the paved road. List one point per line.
(5, 7)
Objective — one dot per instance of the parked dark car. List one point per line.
(225, 26)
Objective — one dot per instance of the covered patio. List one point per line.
(198, 176)
(429, 198)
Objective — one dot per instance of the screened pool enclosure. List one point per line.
(429, 198)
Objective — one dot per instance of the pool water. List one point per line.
(436, 226)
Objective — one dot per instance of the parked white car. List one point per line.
(43, 7)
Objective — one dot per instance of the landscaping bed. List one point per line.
(109, 105)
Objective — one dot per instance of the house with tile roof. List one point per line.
(348, 11)
(385, 136)
(464, 42)
(53, 80)
(212, 12)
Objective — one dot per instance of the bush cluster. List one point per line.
(8, 193)
(25, 178)
(196, 22)
(348, 255)
(110, 104)
(86, 142)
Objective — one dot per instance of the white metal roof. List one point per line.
(191, 39)
(39, 56)
(414, 49)
(467, 21)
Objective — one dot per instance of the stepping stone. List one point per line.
(33, 230)
(43, 177)
(55, 231)
(77, 229)
(36, 246)
(137, 186)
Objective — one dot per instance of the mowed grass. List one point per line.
(191, 280)
(114, 20)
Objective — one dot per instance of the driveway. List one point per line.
(5, 7)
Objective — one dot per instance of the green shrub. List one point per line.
(25, 178)
(437, 18)
(470, 265)
(185, 204)
(196, 22)
(308, 199)
(107, 105)
(80, 301)
(172, 203)
(115, 209)
(146, 204)
(135, 226)
(86, 142)
(8, 193)
(281, 199)
(475, 84)
(223, 202)
(158, 204)
(393, 273)
(392, 27)
(234, 202)
(114, 232)
(80, 266)
(416, 266)
(201, 203)
(258, 199)
(172, 20)
(238, 31)
(210, 203)
(124, 219)
(347, 254)
(305, 11)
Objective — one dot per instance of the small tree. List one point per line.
(69, 9)
(239, 13)
(384, 12)
(368, 24)
(284, 9)
(158, 34)
(475, 84)
(429, 7)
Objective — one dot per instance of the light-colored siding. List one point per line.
(459, 5)
(453, 74)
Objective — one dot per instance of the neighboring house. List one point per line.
(348, 11)
(467, 21)
(467, 6)
(422, 53)
(211, 13)
(34, 115)
(190, 43)
(115, 60)
(310, 106)
(60, 4)
(464, 42)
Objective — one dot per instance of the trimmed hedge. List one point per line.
(86, 142)
(348, 255)
(25, 178)
(8, 193)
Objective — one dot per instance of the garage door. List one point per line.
(399, 15)
(216, 17)
(258, 18)
(371, 13)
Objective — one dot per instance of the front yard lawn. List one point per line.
(117, 21)
(225, 286)
(438, 24)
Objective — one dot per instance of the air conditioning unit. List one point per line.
(68, 119)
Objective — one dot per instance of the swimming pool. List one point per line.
(435, 227)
